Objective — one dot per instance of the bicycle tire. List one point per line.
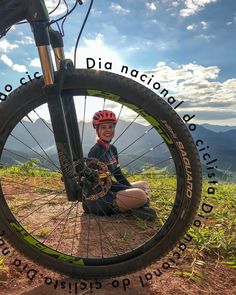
(168, 123)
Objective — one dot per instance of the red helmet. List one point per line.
(103, 116)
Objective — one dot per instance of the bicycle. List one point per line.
(40, 199)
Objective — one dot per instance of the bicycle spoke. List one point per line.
(119, 136)
(85, 102)
(20, 156)
(126, 128)
(106, 236)
(109, 241)
(155, 164)
(121, 108)
(33, 151)
(121, 218)
(136, 140)
(72, 206)
(144, 154)
(24, 217)
(88, 236)
(63, 226)
(19, 193)
(53, 218)
(74, 232)
(31, 201)
(50, 160)
(56, 226)
(30, 186)
(43, 121)
(99, 231)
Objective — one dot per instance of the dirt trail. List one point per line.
(213, 277)
(216, 279)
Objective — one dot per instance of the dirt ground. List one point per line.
(19, 276)
(214, 278)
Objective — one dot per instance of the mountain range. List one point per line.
(218, 128)
(32, 139)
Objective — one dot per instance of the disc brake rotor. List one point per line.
(96, 179)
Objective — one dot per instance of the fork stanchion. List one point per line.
(57, 46)
(46, 63)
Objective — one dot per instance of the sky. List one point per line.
(188, 46)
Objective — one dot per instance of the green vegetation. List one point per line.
(31, 167)
(2, 266)
(214, 239)
(43, 233)
(217, 235)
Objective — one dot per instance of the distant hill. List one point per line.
(222, 145)
(18, 151)
(218, 128)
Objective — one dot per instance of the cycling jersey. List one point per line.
(107, 153)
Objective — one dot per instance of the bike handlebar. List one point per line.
(14, 11)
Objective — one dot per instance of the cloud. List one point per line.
(51, 4)
(161, 64)
(201, 71)
(194, 6)
(119, 9)
(207, 38)
(191, 27)
(6, 46)
(35, 62)
(184, 72)
(204, 25)
(19, 68)
(200, 89)
(102, 54)
(206, 103)
(209, 114)
(6, 60)
(26, 40)
(151, 6)
(16, 67)
(232, 21)
(175, 3)
(96, 12)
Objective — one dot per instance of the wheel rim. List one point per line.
(39, 211)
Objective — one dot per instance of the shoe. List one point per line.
(144, 213)
(146, 205)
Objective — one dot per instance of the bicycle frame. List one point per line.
(61, 107)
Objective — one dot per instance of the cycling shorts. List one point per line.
(102, 206)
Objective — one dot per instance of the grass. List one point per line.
(43, 233)
(215, 238)
(2, 266)
(32, 167)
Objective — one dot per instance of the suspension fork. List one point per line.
(61, 106)
(67, 100)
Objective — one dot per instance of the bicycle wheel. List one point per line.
(154, 145)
